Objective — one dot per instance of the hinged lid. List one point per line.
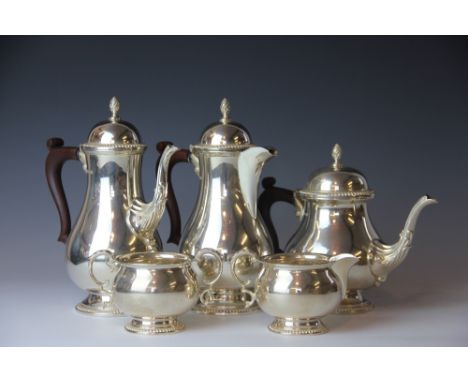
(225, 134)
(113, 133)
(336, 182)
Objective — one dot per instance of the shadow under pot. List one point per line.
(154, 288)
(298, 289)
(332, 209)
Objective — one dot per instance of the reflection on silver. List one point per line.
(334, 219)
(113, 216)
(154, 288)
(225, 215)
(298, 289)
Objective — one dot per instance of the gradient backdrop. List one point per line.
(397, 105)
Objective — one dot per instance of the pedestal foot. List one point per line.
(152, 326)
(354, 303)
(97, 304)
(226, 302)
(297, 326)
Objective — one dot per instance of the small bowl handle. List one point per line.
(235, 272)
(110, 262)
(199, 258)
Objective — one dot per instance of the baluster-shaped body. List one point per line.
(225, 215)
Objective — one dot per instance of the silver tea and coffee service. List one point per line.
(229, 261)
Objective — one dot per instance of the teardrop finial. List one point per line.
(114, 106)
(336, 154)
(225, 110)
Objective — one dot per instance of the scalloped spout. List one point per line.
(144, 218)
(385, 258)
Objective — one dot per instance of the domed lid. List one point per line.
(225, 134)
(337, 182)
(113, 132)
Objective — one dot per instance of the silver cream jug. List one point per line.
(225, 217)
(332, 210)
(113, 216)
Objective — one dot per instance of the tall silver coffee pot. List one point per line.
(113, 217)
(332, 209)
(225, 217)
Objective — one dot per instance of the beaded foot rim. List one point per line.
(225, 310)
(137, 327)
(97, 308)
(289, 327)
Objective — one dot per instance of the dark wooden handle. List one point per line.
(181, 155)
(58, 155)
(268, 197)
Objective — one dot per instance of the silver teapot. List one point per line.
(333, 219)
(225, 215)
(113, 217)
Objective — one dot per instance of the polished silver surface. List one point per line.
(334, 219)
(225, 214)
(225, 133)
(113, 216)
(298, 289)
(154, 288)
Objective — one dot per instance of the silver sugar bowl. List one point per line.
(154, 288)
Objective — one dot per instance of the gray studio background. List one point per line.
(397, 105)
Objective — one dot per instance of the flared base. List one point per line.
(226, 302)
(297, 326)
(153, 326)
(97, 304)
(354, 303)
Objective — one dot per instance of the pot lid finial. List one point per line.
(114, 106)
(225, 108)
(336, 154)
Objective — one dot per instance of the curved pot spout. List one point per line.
(144, 218)
(385, 258)
(250, 164)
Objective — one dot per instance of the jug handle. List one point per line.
(268, 197)
(181, 155)
(58, 155)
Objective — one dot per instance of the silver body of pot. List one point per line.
(114, 182)
(330, 229)
(221, 220)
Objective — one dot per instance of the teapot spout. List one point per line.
(144, 218)
(340, 265)
(385, 258)
(250, 164)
